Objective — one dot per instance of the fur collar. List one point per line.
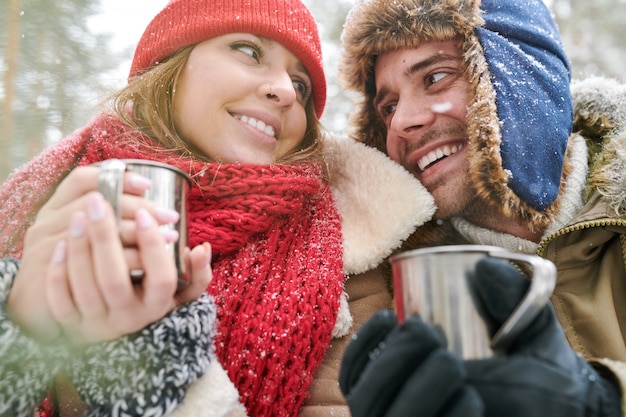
(381, 204)
(600, 117)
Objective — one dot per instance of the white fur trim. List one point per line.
(380, 202)
(212, 395)
(344, 318)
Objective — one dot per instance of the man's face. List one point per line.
(422, 96)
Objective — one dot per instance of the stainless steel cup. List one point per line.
(170, 187)
(432, 282)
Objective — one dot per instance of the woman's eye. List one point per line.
(251, 50)
(303, 89)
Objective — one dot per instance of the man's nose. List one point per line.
(412, 113)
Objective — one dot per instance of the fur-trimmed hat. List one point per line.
(520, 110)
(186, 22)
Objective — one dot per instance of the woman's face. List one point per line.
(241, 98)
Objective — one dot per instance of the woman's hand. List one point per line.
(88, 286)
(65, 218)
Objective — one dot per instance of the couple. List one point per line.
(290, 228)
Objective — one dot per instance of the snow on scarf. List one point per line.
(277, 255)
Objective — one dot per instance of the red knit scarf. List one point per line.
(277, 255)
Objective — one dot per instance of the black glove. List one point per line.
(540, 375)
(391, 370)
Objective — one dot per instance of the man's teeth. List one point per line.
(437, 154)
(258, 124)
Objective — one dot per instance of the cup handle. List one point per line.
(111, 183)
(541, 287)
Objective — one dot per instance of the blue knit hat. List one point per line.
(520, 113)
(531, 75)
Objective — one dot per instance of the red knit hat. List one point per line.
(186, 22)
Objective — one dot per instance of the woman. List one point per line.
(231, 93)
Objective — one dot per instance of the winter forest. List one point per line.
(53, 65)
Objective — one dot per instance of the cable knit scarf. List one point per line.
(277, 255)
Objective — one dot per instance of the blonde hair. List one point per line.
(146, 104)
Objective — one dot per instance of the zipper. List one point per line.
(607, 221)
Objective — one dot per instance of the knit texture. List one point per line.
(186, 22)
(277, 262)
(27, 368)
(145, 373)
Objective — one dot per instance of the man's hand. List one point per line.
(404, 370)
(540, 375)
(392, 370)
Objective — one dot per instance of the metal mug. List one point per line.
(170, 187)
(432, 282)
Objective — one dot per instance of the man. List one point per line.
(473, 98)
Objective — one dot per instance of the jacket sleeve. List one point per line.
(618, 369)
(145, 373)
(27, 368)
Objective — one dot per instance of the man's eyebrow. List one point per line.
(434, 59)
(417, 67)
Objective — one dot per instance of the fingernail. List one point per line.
(59, 252)
(144, 219)
(167, 215)
(78, 224)
(209, 254)
(138, 181)
(96, 206)
(170, 235)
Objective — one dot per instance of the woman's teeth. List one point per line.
(258, 124)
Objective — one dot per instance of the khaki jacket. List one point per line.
(590, 293)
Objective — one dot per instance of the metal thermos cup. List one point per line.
(432, 282)
(170, 187)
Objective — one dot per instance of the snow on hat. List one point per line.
(186, 22)
(520, 111)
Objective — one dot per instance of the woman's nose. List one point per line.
(280, 90)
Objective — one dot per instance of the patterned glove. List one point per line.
(27, 368)
(148, 373)
(145, 373)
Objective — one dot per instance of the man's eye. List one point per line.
(387, 109)
(436, 77)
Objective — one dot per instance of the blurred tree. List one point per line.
(330, 15)
(50, 64)
(593, 35)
